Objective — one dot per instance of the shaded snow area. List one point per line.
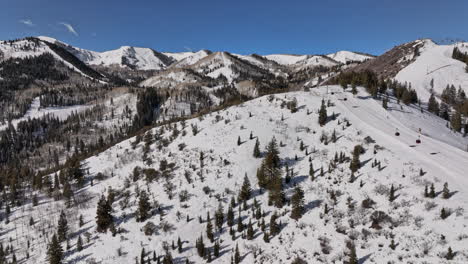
(411, 220)
(435, 63)
(35, 111)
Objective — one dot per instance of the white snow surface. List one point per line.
(417, 225)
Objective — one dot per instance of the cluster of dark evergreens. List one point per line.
(461, 56)
(453, 107)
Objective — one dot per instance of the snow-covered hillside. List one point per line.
(172, 78)
(348, 56)
(31, 47)
(36, 111)
(187, 185)
(177, 56)
(191, 59)
(435, 64)
(285, 59)
(133, 57)
(224, 64)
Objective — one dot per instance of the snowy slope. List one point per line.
(315, 60)
(285, 59)
(171, 78)
(191, 59)
(348, 56)
(435, 63)
(36, 111)
(177, 56)
(223, 63)
(133, 57)
(31, 48)
(416, 226)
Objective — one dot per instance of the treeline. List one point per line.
(377, 86)
(461, 56)
(453, 107)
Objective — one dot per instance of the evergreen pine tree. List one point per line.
(144, 207)
(142, 255)
(456, 121)
(445, 191)
(103, 215)
(54, 251)
(297, 203)
(80, 221)
(237, 257)
(216, 249)
(62, 227)
(79, 243)
(209, 231)
(274, 227)
(179, 245)
(311, 172)
(450, 255)
(239, 142)
(230, 216)
(219, 216)
(433, 105)
(432, 193)
(256, 151)
(352, 257)
(246, 190)
(355, 163)
(322, 114)
(392, 197)
(250, 231)
(240, 225)
(443, 213)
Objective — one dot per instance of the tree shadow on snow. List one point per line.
(363, 259)
(78, 259)
(312, 204)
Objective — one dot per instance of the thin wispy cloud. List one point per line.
(27, 22)
(69, 28)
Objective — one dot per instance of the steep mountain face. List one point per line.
(423, 64)
(132, 57)
(434, 68)
(393, 61)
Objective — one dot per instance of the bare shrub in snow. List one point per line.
(166, 227)
(381, 189)
(430, 205)
(150, 229)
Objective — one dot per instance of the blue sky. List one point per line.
(263, 27)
